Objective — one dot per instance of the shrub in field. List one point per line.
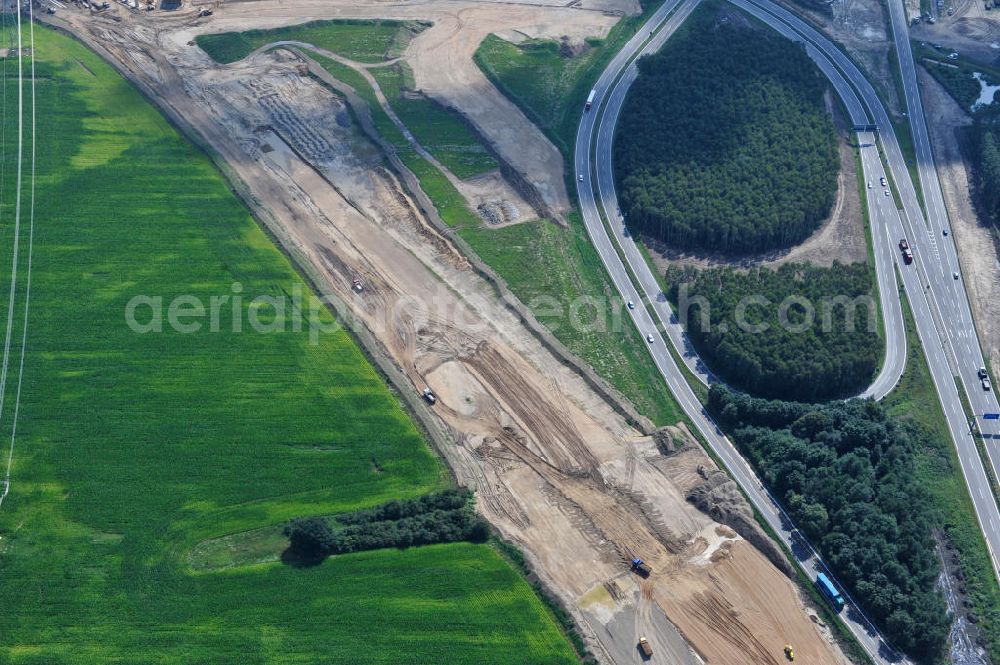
(309, 537)
(438, 517)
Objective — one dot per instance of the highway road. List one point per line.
(653, 34)
(962, 343)
(937, 299)
(940, 307)
(894, 360)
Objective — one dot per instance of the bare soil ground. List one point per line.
(486, 191)
(977, 250)
(441, 60)
(555, 467)
(971, 30)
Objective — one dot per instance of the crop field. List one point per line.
(134, 447)
(361, 40)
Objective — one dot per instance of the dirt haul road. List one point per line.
(441, 60)
(555, 468)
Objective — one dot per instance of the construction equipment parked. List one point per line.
(357, 285)
(647, 651)
(205, 12)
(789, 652)
(639, 566)
(429, 395)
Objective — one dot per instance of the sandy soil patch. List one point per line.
(971, 30)
(441, 60)
(555, 467)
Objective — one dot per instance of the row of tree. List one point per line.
(959, 83)
(986, 156)
(724, 143)
(439, 517)
(846, 474)
(800, 332)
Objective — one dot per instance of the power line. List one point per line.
(17, 225)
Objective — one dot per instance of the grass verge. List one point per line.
(574, 299)
(914, 402)
(361, 40)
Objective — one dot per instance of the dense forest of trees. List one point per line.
(986, 157)
(845, 473)
(439, 517)
(759, 337)
(724, 143)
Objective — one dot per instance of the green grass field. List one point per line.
(535, 76)
(439, 130)
(607, 340)
(445, 136)
(132, 448)
(361, 40)
(549, 88)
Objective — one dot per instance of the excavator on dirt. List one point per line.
(640, 567)
(789, 652)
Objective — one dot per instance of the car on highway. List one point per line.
(954, 275)
(869, 184)
(981, 373)
(580, 177)
(630, 304)
(986, 384)
(882, 181)
(944, 231)
(649, 338)
(887, 192)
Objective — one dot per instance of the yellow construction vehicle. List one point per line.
(789, 652)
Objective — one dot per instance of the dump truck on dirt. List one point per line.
(647, 651)
(639, 566)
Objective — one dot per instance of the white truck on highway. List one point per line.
(590, 100)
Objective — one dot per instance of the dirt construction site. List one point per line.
(560, 464)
